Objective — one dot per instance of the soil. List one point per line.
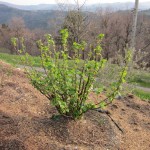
(27, 122)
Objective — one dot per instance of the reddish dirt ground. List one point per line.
(26, 121)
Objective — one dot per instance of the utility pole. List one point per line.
(134, 26)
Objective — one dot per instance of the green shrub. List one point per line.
(67, 81)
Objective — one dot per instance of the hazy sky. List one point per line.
(32, 2)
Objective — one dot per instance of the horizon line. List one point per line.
(70, 3)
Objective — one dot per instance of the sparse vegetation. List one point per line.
(4, 75)
(26, 113)
(141, 79)
(142, 94)
(79, 73)
(15, 59)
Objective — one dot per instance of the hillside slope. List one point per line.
(27, 124)
(33, 19)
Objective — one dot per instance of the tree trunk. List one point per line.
(134, 26)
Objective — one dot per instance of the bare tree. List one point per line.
(76, 21)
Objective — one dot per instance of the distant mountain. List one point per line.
(32, 7)
(147, 12)
(113, 6)
(33, 19)
(44, 18)
(119, 6)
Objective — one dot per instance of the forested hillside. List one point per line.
(33, 19)
(116, 25)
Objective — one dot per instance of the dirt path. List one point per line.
(143, 88)
(36, 68)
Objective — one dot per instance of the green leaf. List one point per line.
(99, 90)
(103, 104)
